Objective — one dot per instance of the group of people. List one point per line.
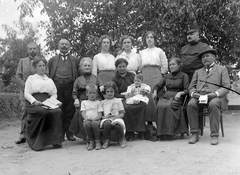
(106, 95)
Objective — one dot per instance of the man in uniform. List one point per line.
(24, 69)
(63, 69)
(189, 52)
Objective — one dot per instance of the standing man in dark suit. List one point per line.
(24, 69)
(63, 69)
(213, 73)
(189, 52)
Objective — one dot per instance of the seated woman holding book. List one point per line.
(44, 120)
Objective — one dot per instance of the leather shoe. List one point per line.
(58, 145)
(162, 137)
(169, 137)
(20, 140)
(214, 140)
(70, 136)
(194, 138)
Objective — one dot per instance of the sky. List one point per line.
(9, 14)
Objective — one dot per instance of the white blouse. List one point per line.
(133, 60)
(154, 56)
(103, 61)
(39, 84)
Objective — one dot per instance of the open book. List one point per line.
(51, 103)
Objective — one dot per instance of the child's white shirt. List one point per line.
(92, 108)
(113, 106)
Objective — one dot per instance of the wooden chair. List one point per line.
(202, 114)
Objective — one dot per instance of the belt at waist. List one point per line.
(63, 81)
(106, 71)
(63, 77)
(148, 65)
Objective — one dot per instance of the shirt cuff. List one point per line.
(32, 100)
(217, 93)
(192, 93)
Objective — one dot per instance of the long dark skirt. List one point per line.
(151, 76)
(44, 126)
(76, 126)
(171, 119)
(134, 118)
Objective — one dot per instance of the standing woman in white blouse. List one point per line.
(154, 65)
(104, 62)
(43, 126)
(132, 58)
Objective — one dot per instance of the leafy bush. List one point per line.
(13, 87)
(10, 105)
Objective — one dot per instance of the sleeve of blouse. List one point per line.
(83, 107)
(28, 90)
(185, 83)
(138, 61)
(163, 61)
(120, 105)
(95, 63)
(160, 84)
(54, 90)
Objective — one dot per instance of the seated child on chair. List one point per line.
(92, 113)
(113, 113)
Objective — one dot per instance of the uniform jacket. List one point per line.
(189, 57)
(218, 75)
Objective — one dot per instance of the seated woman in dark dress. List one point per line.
(134, 117)
(43, 126)
(170, 117)
(79, 94)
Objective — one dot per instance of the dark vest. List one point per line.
(64, 72)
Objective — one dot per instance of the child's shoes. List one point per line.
(90, 145)
(98, 145)
(106, 144)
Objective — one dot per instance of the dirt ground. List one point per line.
(140, 157)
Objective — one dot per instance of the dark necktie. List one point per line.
(64, 56)
(208, 69)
